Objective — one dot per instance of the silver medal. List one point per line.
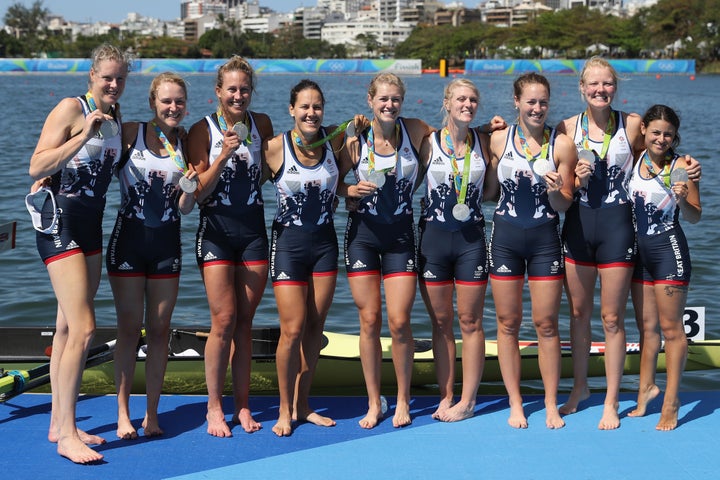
(188, 185)
(378, 178)
(350, 130)
(541, 167)
(678, 175)
(109, 129)
(587, 155)
(241, 129)
(461, 212)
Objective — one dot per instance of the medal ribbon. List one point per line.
(224, 126)
(664, 175)
(459, 181)
(174, 154)
(338, 130)
(526, 148)
(609, 130)
(371, 149)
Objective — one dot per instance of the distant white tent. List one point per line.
(597, 48)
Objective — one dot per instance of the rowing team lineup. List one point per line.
(617, 177)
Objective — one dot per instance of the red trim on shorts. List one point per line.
(617, 265)
(547, 278)
(365, 273)
(471, 284)
(582, 264)
(331, 273)
(289, 283)
(253, 263)
(65, 254)
(163, 276)
(400, 274)
(435, 283)
(512, 277)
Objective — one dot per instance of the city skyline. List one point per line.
(82, 11)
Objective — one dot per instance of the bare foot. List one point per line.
(668, 416)
(610, 419)
(458, 412)
(553, 420)
(372, 418)
(283, 427)
(577, 395)
(445, 404)
(151, 426)
(76, 451)
(645, 396)
(125, 430)
(245, 419)
(217, 426)
(317, 419)
(402, 415)
(85, 437)
(517, 417)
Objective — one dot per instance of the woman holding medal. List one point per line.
(144, 254)
(305, 168)
(232, 246)
(533, 165)
(660, 191)
(597, 233)
(452, 250)
(380, 238)
(78, 145)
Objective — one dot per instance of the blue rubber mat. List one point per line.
(481, 447)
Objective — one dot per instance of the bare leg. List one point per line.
(366, 294)
(74, 280)
(470, 301)
(219, 287)
(646, 316)
(320, 294)
(671, 301)
(580, 287)
(161, 298)
(399, 298)
(438, 299)
(507, 295)
(292, 309)
(250, 283)
(613, 300)
(545, 296)
(129, 297)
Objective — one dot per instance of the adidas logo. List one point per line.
(294, 170)
(72, 245)
(438, 161)
(218, 144)
(364, 160)
(209, 256)
(508, 155)
(428, 274)
(125, 266)
(137, 156)
(359, 264)
(503, 269)
(283, 276)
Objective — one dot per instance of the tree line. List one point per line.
(670, 28)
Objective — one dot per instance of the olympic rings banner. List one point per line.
(346, 66)
(154, 66)
(513, 67)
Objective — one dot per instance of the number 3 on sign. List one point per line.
(694, 323)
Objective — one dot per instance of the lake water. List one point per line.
(26, 297)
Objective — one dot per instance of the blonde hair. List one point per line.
(450, 88)
(169, 77)
(239, 64)
(597, 62)
(387, 78)
(108, 52)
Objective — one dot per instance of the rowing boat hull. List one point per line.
(339, 369)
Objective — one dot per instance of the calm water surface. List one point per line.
(26, 297)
